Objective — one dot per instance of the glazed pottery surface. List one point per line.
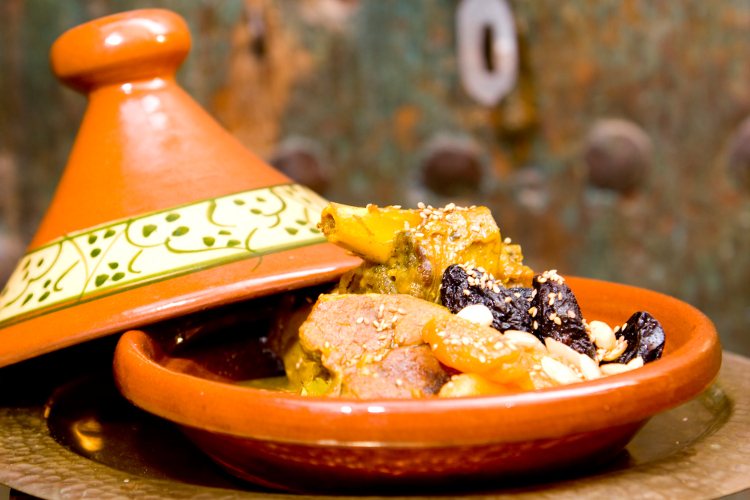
(344, 445)
(160, 211)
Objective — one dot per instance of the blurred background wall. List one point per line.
(621, 152)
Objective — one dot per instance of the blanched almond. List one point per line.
(615, 368)
(559, 372)
(603, 334)
(565, 352)
(525, 340)
(589, 368)
(477, 313)
(615, 353)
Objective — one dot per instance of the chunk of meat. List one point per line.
(404, 372)
(410, 257)
(371, 345)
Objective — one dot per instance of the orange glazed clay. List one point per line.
(111, 253)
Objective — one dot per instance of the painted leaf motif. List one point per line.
(147, 230)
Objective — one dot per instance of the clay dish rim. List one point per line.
(685, 371)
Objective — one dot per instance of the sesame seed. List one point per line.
(558, 321)
(399, 382)
(482, 358)
(406, 225)
(498, 345)
(360, 320)
(327, 345)
(536, 325)
(367, 321)
(518, 295)
(466, 292)
(551, 301)
(571, 314)
(506, 241)
(419, 235)
(542, 280)
(508, 300)
(397, 207)
(559, 295)
(420, 204)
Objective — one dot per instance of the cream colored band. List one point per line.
(122, 254)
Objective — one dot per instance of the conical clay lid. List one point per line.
(160, 212)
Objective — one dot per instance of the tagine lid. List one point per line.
(160, 212)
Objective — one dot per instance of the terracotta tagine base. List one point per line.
(338, 445)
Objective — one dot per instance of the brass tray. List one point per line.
(89, 443)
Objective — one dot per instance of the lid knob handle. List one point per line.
(126, 47)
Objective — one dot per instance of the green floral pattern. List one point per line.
(128, 253)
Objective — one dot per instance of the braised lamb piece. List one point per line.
(407, 251)
(365, 346)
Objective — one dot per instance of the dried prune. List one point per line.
(645, 337)
(556, 314)
(509, 306)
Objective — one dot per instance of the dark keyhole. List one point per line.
(488, 51)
